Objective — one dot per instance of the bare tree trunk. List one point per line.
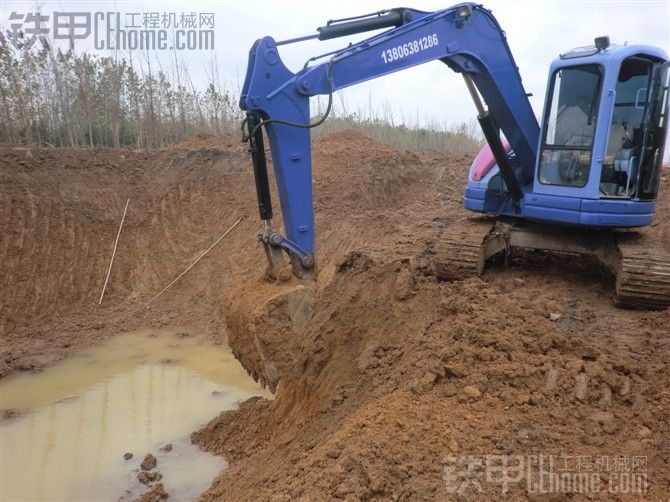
(151, 120)
(64, 108)
(197, 101)
(87, 108)
(182, 114)
(118, 84)
(13, 135)
(136, 106)
(18, 93)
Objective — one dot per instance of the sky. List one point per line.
(537, 32)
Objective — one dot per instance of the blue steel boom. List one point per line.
(542, 174)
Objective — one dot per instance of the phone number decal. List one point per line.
(404, 50)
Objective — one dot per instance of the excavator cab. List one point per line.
(598, 170)
(605, 123)
(601, 142)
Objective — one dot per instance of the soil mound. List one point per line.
(395, 372)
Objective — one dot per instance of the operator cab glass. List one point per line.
(570, 125)
(654, 133)
(636, 135)
(640, 112)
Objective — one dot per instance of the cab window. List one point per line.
(620, 165)
(570, 125)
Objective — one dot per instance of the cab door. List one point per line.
(654, 134)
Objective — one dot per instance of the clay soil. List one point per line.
(383, 374)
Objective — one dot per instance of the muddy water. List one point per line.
(65, 430)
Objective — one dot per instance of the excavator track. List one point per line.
(641, 267)
(460, 253)
(643, 277)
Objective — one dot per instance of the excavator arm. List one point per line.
(466, 37)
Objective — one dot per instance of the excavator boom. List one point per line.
(466, 37)
(568, 186)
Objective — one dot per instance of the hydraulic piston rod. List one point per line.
(492, 135)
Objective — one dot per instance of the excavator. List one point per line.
(576, 183)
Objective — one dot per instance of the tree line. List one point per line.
(57, 97)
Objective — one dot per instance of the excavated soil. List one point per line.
(382, 372)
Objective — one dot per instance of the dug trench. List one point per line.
(384, 376)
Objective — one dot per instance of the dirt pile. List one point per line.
(382, 372)
(392, 377)
(396, 372)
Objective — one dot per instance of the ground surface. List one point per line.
(383, 374)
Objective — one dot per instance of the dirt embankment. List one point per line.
(396, 371)
(381, 371)
(60, 214)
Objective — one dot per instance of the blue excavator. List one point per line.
(573, 184)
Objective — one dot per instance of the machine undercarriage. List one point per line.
(641, 268)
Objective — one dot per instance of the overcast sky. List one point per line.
(537, 32)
